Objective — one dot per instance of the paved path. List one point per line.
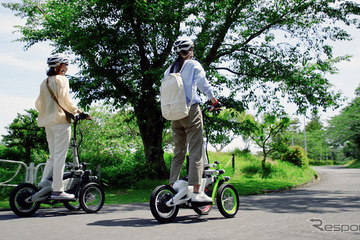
(328, 209)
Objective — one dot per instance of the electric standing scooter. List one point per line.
(25, 199)
(165, 200)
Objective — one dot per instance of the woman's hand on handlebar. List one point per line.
(84, 115)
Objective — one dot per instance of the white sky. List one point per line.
(23, 71)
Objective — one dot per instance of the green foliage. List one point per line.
(344, 129)
(297, 156)
(24, 139)
(126, 173)
(8, 171)
(247, 179)
(219, 128)
(113, 147)
(315, 123)
(252, 168)
(318, 141)
(123, 48)
(245, 152)
(11, 153)
(110, 135)
(321, 162)
(270, 134)
(353, 164)
(280, 148)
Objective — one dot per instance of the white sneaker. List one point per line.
(62, 196)
(201, 197)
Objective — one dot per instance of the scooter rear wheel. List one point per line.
(18, 203)
(159, 209)
(203, 210)
(91, 197)
(72, 206)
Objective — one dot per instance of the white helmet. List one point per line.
(183, 45)
(57, 59)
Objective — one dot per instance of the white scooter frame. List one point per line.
(25, 199)
(166, 200)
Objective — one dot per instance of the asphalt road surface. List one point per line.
(327, 209)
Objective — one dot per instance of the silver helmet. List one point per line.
(57, 59)
(183, 45)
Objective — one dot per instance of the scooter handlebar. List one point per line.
(82, 116)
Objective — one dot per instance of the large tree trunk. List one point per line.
(151, 126)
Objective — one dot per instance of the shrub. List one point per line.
(11, 153)
(320, 162)
(243, 152)
(278, 151)
(297, 156)
(128, 170)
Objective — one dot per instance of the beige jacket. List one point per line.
(49, 111)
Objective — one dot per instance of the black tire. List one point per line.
(91, 197)
(72, 205)
(17, 200)
(158, 199)
(203, 210)
(227, 200)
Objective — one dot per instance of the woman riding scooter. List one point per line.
(189, 130)
(53, 104)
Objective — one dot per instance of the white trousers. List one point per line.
(58, 138)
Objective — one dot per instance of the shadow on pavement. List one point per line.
(140, 222)
(302, 201)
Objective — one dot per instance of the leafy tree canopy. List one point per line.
(345, 127)
(315, 123)
(272, 48)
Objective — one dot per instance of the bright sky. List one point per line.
(23, 71)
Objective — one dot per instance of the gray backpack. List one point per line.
(173, 98)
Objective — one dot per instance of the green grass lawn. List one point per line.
(353, 164)
(248, 178)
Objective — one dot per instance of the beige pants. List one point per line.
(188, 132)
(58, 138)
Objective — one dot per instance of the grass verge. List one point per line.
(353, 164)
(247, 176)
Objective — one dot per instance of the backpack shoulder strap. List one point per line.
(183, 66)
(195, 87)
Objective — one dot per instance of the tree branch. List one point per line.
(229, 20)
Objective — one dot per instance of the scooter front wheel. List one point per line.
(18, 200)
(227, 200)
(159, 197)
(91, 197)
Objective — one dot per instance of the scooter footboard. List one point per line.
(178, 198)
(41, 195)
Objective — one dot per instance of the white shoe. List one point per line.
(201, 197)
(62, 196)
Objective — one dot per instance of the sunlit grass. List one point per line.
(353, 164)
(249, 178)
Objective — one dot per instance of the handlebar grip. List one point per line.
(83, 116)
